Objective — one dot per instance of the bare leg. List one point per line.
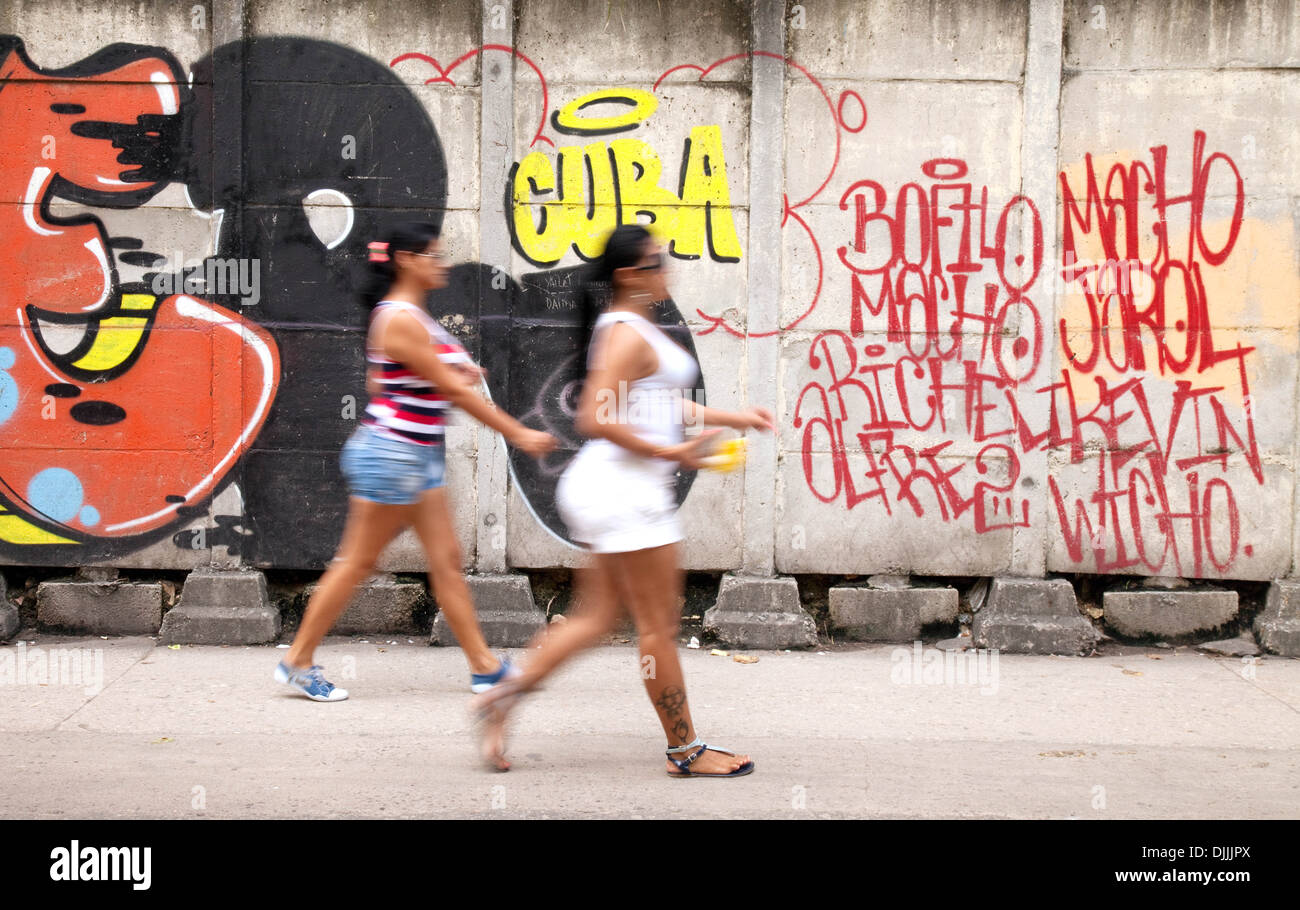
(595, 614)
(442, 551)
(370, 527)
(650, 583)
(593, 617)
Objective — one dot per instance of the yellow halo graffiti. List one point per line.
(568, 121)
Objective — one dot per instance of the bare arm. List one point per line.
(406, 341)
(750, 419)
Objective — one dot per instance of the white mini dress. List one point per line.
(614, 500)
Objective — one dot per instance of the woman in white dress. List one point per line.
(617, 499)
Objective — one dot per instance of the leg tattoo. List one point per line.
(671, 701)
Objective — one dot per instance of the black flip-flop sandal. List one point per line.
(700, 747)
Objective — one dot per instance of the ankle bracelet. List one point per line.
(678, 750)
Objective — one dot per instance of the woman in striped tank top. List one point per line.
(394, 462)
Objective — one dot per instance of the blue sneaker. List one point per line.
(481, 682)
(310, 682)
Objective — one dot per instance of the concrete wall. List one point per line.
(1020, 280)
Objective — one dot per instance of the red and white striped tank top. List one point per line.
(408, 406)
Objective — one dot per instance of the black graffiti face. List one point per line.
(281, 127)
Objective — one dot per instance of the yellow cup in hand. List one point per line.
(726, 455)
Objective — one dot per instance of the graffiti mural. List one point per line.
(939, 361)
(116, 436)
(180, 342)
(945, 342)
(1151, 371)
(530, 332)
(297, 133)
(304, 326)
(110, 424)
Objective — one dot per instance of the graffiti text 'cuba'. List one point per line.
(589, 190)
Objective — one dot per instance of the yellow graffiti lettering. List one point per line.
(537, 239)
(591, 212)
(638, 169)
(589, 190)
(705, 215)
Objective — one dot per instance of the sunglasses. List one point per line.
(438, 255)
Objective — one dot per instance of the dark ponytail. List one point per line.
(380, 271)
(624, 247)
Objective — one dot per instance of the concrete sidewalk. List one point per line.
(863, 732)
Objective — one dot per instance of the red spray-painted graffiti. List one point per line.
(444, 75)
(934, 272)
(1136, 518)
(948, 355)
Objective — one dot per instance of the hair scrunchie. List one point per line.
(378, 251)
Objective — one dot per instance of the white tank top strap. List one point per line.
(602, 321)
(385, 310)
(386, 307)
(448, 347)
(653, 335)
(676, 366)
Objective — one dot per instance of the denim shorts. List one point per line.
(390, 471)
